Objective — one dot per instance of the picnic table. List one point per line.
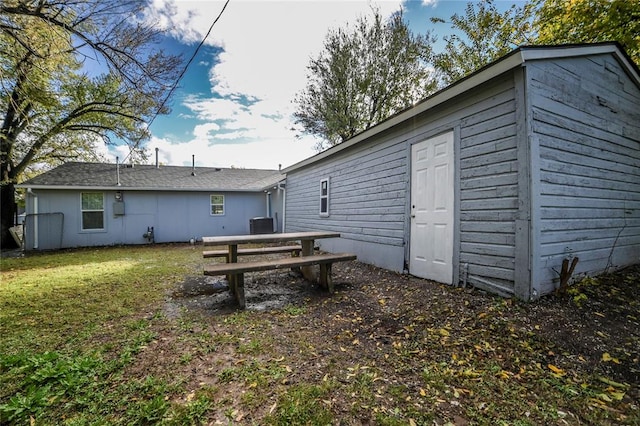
(303, 257)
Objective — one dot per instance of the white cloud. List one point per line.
(259, 154)
(214, 108)
(267, 46)
(432, 3)
(203, 131)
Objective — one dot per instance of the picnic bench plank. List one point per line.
(265, 265)
(253, 251)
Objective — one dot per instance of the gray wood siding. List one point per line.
(370, 185)
(586, 121)
(489, 192)
(367, 195)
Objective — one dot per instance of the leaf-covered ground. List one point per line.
(392, 349)
(137, 335)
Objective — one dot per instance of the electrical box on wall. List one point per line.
(118, 208)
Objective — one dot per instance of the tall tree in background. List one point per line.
(587, 21)
(363, 75)
(73, 73)
(485, 35)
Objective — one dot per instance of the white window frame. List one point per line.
(212, 204)
(324, 197)
(83, 211)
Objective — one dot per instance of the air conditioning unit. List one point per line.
(261, 225)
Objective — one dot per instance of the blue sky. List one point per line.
(233, 106)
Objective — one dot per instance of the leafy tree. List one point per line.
(363, 75)
(74, 73)
(587, 21)
(486, 35)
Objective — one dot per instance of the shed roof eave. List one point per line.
(532, 53)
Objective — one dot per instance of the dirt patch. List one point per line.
(388, 347)
(263, 291)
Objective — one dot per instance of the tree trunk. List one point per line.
(7, 215)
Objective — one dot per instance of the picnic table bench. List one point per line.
(303, 257)
(237, 270)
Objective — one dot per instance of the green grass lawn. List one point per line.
(86, 338)
(72, 321)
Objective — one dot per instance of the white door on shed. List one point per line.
(431, 240)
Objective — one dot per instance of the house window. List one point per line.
(92, 211)
(217, 205)
(324, 197)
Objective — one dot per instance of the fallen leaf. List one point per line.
(594, 402)
(604, 397)
(608, 358)
(504, 374)
(617, 395)
(556, 370)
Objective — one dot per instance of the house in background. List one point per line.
(91, 204)
(494, 180)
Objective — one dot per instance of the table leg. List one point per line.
(232, 258)
(325, 277)
(307, 250)
(240, 291)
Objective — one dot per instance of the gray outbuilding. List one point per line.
(493, 181)
(92, 204)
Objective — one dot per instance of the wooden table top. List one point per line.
(267, 238)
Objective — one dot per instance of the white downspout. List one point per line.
(35, 217)
(284, 206)
(268, 200)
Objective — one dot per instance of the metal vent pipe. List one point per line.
(117, 171)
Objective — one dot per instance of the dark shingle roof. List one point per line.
(147, 177)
